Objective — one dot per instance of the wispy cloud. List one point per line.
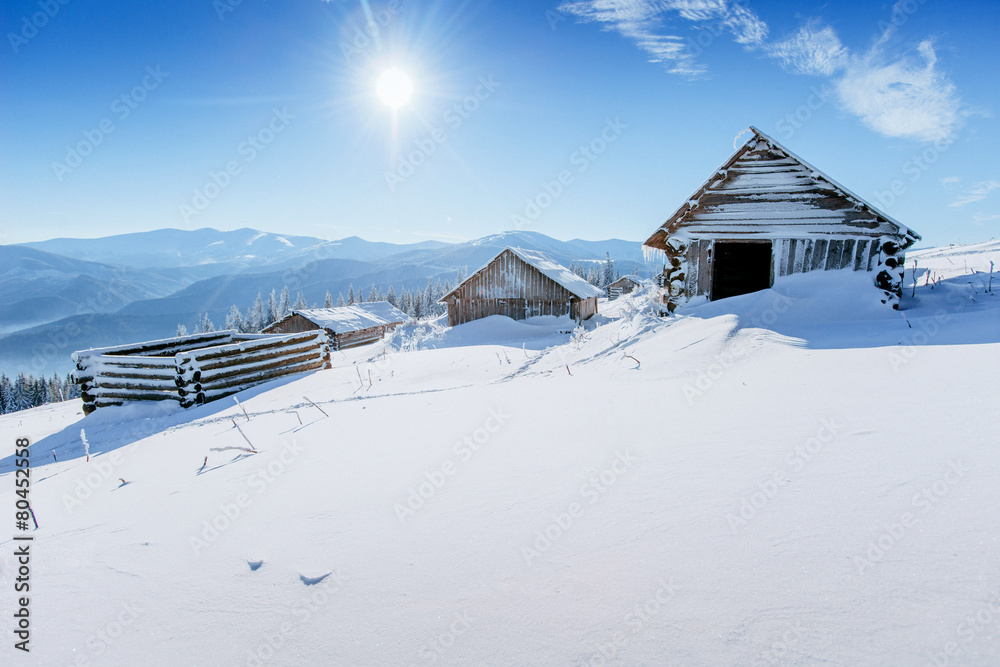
(811, 50)
(978, 192)
(905, 97)
(646, 22)
(894, 94)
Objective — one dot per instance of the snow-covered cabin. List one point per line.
(521, 283)
(346, 326)
(767, 213)
(623, 285)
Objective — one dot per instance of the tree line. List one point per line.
(26, 391)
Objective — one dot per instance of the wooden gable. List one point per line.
(508, 276)
(765, 191)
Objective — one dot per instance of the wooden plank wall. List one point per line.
(789, 256)
(512, 287)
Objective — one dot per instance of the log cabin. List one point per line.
(766, 213)
(346, 326)
(623, 285)
(521, 283)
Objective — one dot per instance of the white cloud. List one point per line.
(895, 95)
(950, 180)
(645, 23)
(905, 97)
(811, 50)
(978, 192)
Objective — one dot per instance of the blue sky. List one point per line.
(589, 119)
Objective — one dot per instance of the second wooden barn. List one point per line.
(521, 283)
(346, 326)
(767, 213)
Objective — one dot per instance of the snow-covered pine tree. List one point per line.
(594, 276)
(350, 295)
(373, 294)
(340, 300)
(206, 324)
(609, 271)
(5, 393)
(254, 320)
(182, 330)
(284, 303)
(328, 301)
(271, 315)
(234, 320)
(391, 297)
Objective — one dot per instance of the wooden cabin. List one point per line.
(623, 285)
(767, 213)
(346, 326)
(521, 283)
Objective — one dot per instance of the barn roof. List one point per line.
(785, 190)
(354, 318)
(548, 267)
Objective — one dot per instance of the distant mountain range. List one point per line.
(64, 294)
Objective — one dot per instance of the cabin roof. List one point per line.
(354, 318)
(819, 180)
(548, 267)
(632, 279)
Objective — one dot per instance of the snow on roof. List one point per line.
(547, 267)
(356, 317)
(558, 273)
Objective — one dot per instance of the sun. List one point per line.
(395, 88)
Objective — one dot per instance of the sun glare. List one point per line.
(394, 88)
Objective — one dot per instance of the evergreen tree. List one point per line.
(350, 295)
(594, 276)
(255, 317)
(285, 303)
(391, 297)
(609, 271)
(328, 301)
(271, 316)
(182, 330)
(234, 320)
(340, 300)
(373, 294)
(206, 324)
(300, 302)
(6, 394)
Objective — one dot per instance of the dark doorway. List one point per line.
(740, 268)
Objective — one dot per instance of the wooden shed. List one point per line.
(521, 283)
(346, 326)
(624, 285)
(767, 213)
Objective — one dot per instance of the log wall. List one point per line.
(194, 369)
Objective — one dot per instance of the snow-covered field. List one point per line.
(798, 476)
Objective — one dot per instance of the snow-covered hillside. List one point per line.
(796, 476)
